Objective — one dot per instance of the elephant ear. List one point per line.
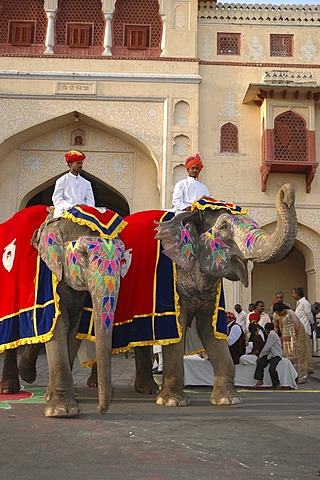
(180, 239)
(48, 241)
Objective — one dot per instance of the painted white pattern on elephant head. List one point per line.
(8, 255)
(125, 262)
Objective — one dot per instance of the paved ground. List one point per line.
(272, 434)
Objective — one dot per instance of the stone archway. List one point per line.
(282, 276)
(123, 171)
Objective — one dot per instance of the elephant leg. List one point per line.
(224, 392)
(60, 395)
(28, 362)
(172, 394)
(10, 376)
(144, 382)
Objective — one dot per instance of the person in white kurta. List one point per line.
(71, 189)
(184, 194)
(190, 189)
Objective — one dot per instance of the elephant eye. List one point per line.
(223, 226)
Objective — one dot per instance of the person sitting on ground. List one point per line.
(190, 189)
(256, 339)
(236, 338)
(71, 189)
(255, 345)
(271, 354)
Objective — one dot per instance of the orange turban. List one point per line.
(194, 160)
(74, 156)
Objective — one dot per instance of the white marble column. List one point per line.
(50, 34)
(107, 42)
(163, 39)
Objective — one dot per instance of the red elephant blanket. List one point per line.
(148, 304)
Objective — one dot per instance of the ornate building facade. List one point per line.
(140, 84)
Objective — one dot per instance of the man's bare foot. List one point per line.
(258, 384)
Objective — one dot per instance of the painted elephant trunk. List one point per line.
(103, 281)
(259, 246)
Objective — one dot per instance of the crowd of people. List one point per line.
(283, 333)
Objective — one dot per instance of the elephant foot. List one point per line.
(92, 381)
(28, 373)
(147, 387)
(9, 386)
(28, 361)
(60, 407)
(170, 399)
(225, 398)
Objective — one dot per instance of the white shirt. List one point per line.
(304, 313)
(186, 192)
(235, 333)
(272, 347)
(264, 318)
(71, 190)
(241, 319)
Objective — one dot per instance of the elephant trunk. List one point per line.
(258, 246)
(103, 356)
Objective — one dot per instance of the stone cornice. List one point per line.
(105, 76)
(248, 13)
(260, 64)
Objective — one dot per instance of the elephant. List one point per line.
(208, 245)
(82, 262)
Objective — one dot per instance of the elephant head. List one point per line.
(222, 243)
(90, 263)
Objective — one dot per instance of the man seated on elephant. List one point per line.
(71, 189)
(190, 189)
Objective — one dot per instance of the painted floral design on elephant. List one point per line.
(218, 247)
(53, 247)
(186, 243)
(106, 262)
(251, 228)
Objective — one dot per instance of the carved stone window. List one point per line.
(228, 43)
(281, 45)
(137, 37)
(229, 138)
(290, 138)
(289, 147)
(79, 35)
(181, 113)
(22, 33)
(181, 145)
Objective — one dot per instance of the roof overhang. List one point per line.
(257, 92)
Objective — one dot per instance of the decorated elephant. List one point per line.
(213, 241)
(83, 259)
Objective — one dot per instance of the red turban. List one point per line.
(194, 160)
(74, 156)
(254, 317)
